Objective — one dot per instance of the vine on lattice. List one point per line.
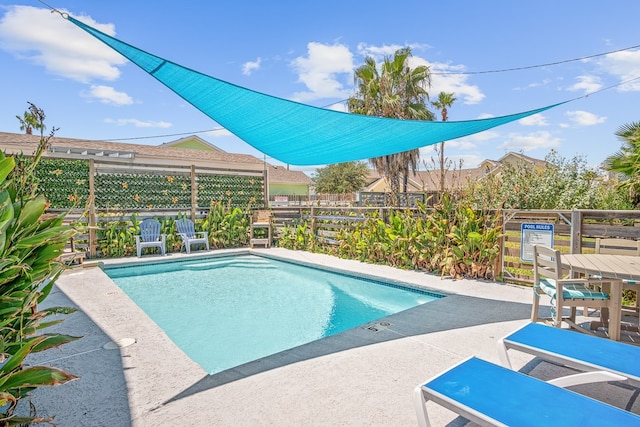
(232, 190)
(65, 183)
(142, 191)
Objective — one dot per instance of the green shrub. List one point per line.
(29, 246)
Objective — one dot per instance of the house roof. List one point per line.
(517, 157)
(193, 142)
(16, 143)
(429, 180)
(282, 175)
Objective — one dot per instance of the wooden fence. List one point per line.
(574, 231)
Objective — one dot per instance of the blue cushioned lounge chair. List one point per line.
(491, 395)
(189, 236)
(573, 349)
(150, 236)
(564, 292)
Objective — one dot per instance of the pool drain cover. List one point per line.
(377, 327)
(121, 343)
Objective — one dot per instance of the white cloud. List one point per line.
(441, 81)
(535, 120)
(320, 71)
(48, 40)
(588, 84)
(452, 83)
(624, 66)
(250, 66)
(544, 82)
(584, 118)
(138, 123)
(108, 95)
(529, 142)
(468, 160)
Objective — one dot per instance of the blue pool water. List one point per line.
(223, 312)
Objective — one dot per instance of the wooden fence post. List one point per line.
(194, 193)
(576, 232)
(92, 210)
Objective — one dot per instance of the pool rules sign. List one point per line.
(534, 234)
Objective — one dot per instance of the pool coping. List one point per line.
(359, 377)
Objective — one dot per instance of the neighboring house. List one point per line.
(192, 142)
(131, 155)
(511, 158)
(429, 180)
(282, 181)
(285, 182)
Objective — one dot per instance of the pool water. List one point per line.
(226, 311)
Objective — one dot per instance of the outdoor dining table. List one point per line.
(614, 267)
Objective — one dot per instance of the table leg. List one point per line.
(615, 309)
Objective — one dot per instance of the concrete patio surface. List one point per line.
(362, 377)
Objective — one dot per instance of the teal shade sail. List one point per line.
(291, 132)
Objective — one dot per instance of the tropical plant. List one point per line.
(341, 178)
(452, 239)
(626, 162)
(298, 236)
(559, 183)
(227, 226)
(396, 91)
(29, 246)
(29, 121)
(445, 100)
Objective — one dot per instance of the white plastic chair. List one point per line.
(186, 230)
(150, 236)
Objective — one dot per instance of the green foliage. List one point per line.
(65, 183)
(143, 191)
(396, 90)
(116, 235)
(341, 178)
(29, 246)
(559, 184)
(626, 161)
(236, 191)
(298, 236)
(228, 227)
(452, 239)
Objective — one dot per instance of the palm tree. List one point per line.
(398, 91)
(626, 161)
(445, 100)
(28, 122)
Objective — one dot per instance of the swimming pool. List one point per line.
(226, 311)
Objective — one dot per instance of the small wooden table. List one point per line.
(616, 267)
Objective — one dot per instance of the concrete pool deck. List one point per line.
(362, 377)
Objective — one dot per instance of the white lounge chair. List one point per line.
(186, 230)
(150, 236)
(576, 350)
(491, 395)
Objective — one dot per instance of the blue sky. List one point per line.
(307, 51)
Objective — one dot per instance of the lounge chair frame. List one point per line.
(573, 349)
(491, 395)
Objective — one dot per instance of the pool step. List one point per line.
(211, 264)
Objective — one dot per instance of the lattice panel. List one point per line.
(234, 190)
(65, 183)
